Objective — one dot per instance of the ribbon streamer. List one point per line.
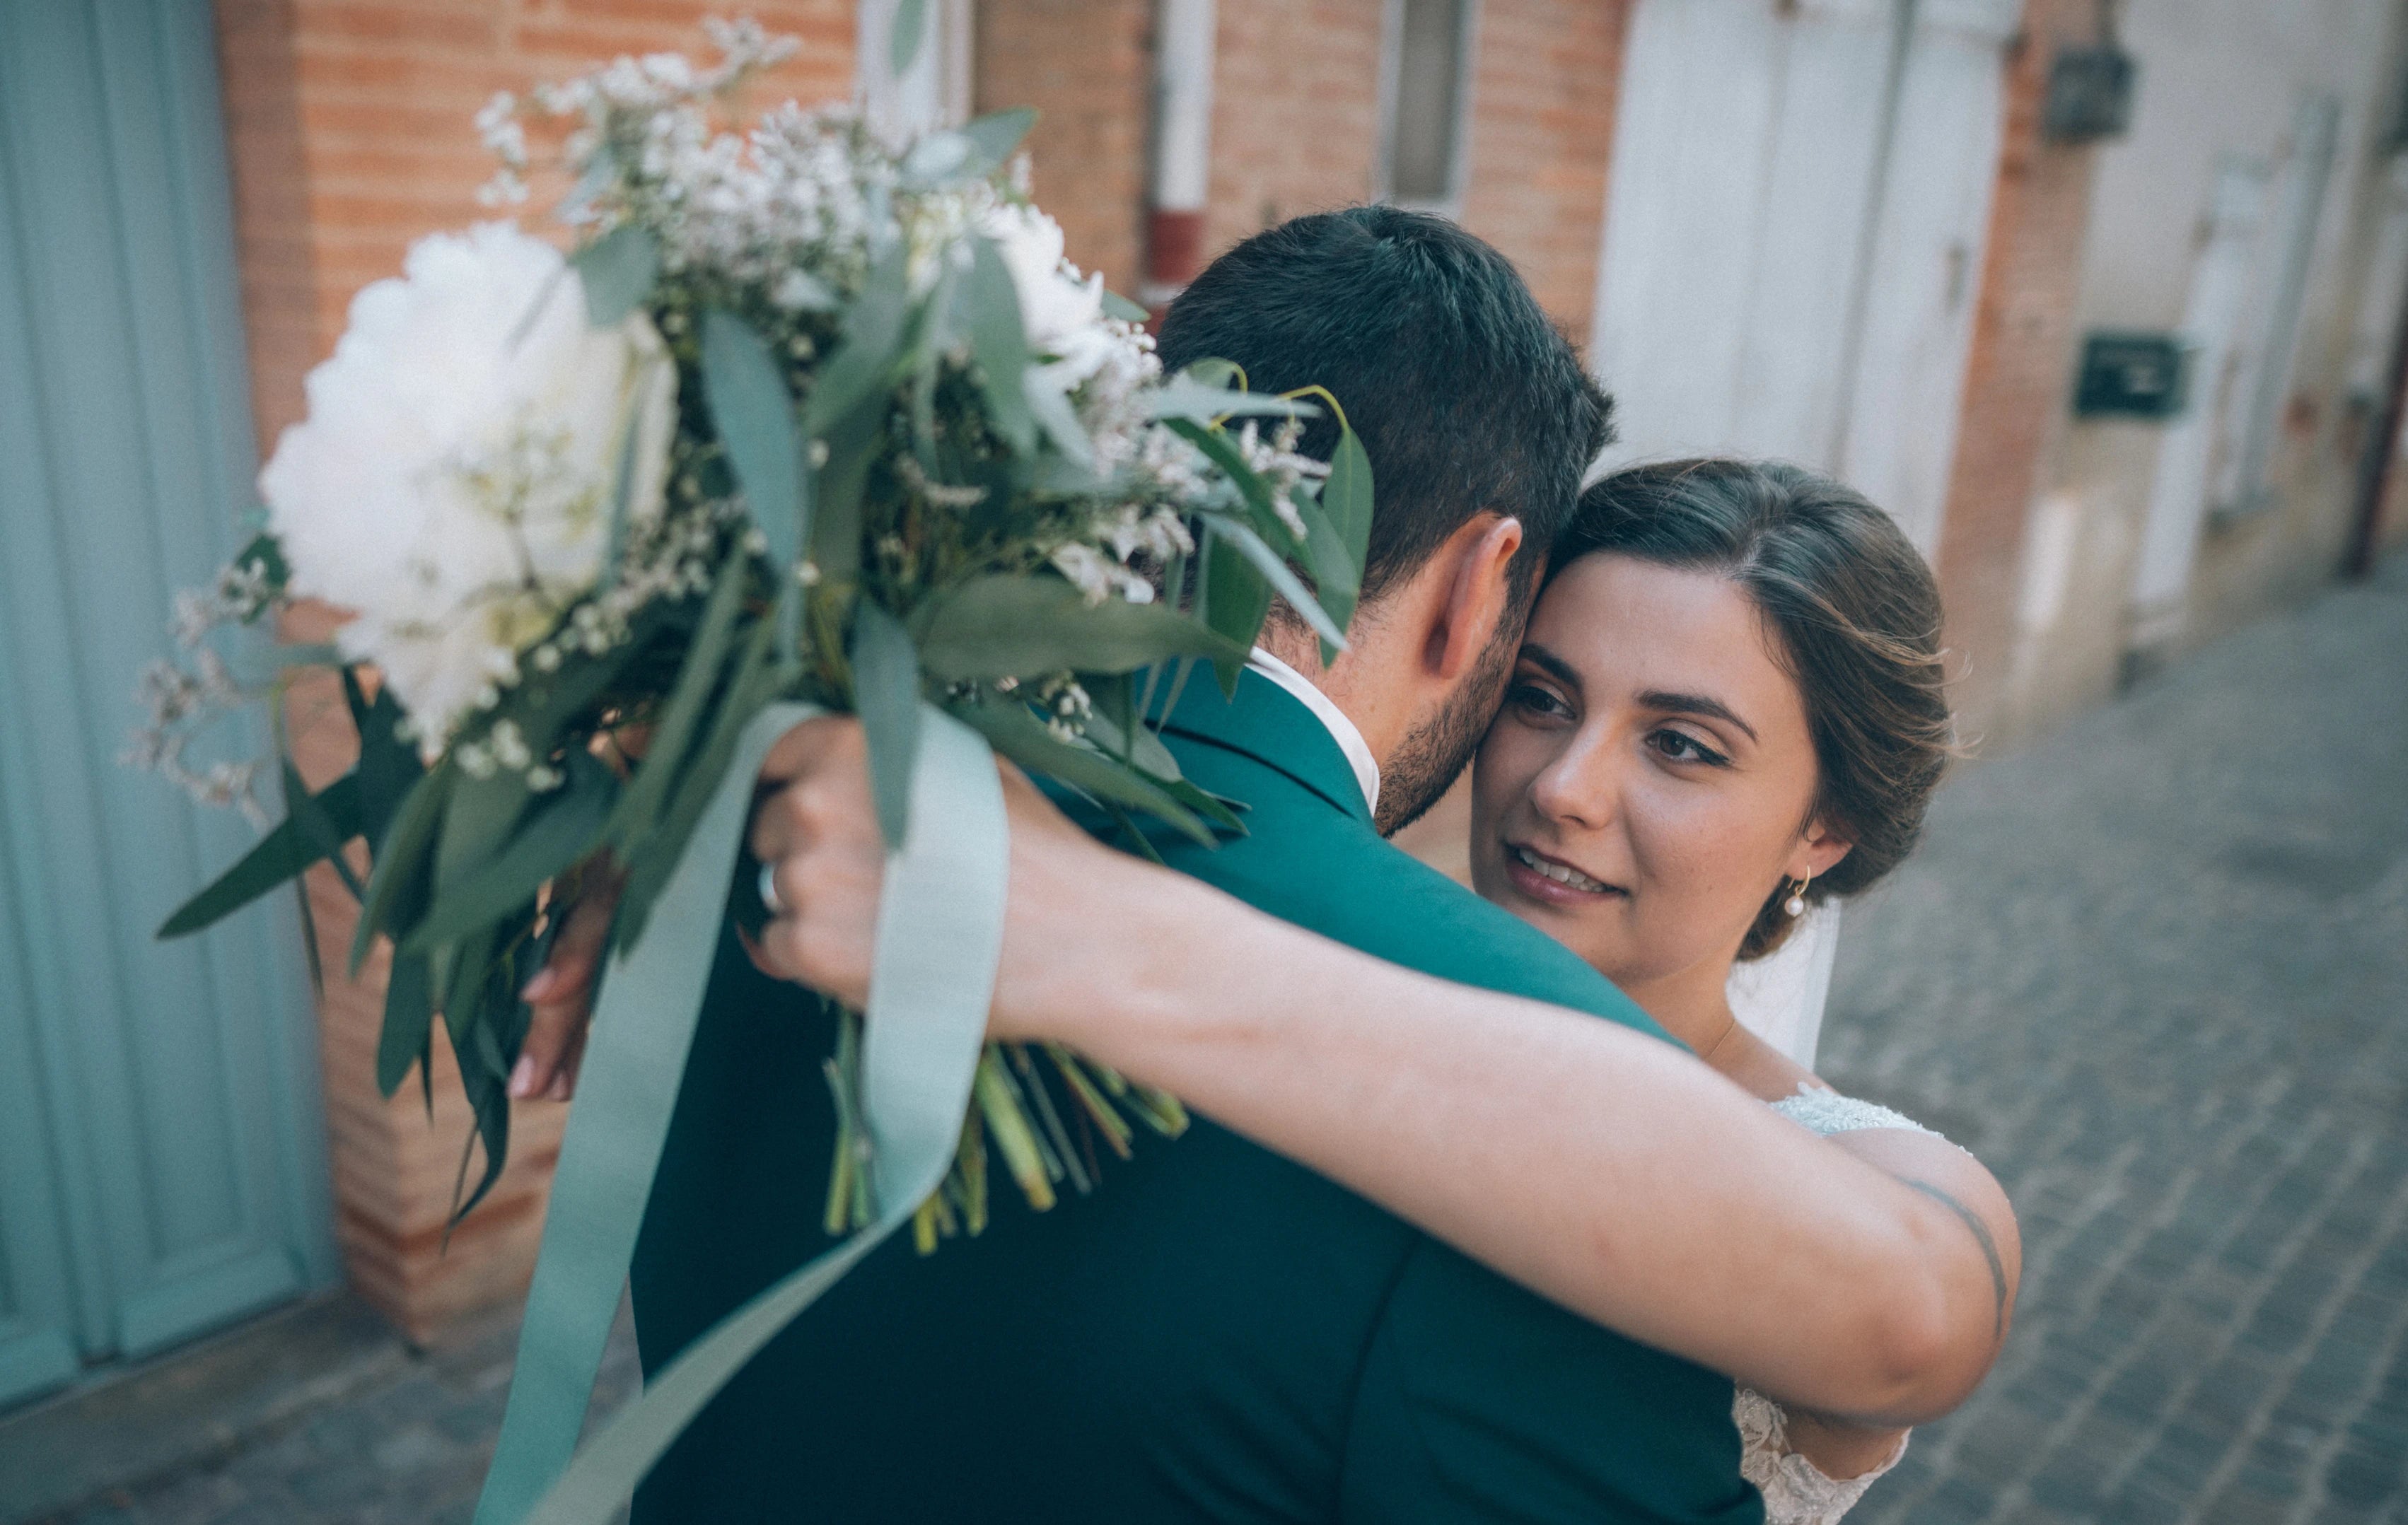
(939, 934)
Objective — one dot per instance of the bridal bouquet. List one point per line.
(798, 418)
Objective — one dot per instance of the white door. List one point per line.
(1794, 234)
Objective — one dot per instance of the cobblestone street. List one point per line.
(2154, 971)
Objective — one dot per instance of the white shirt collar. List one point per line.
(1341, 730)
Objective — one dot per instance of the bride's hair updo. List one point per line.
(1855, 617)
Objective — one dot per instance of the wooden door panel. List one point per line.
(177, 1077)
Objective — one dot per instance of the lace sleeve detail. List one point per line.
(1795, 1491)
(1827, 1112)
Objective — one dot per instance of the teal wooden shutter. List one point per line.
(166, 1093)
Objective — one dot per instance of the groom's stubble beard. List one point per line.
(1434, 752)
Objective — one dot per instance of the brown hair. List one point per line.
(1857, 617)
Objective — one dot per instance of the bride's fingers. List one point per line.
(560, 998)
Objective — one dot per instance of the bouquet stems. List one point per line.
(1014, 1106)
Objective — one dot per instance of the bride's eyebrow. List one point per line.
(1553, 666)
(1695, 704)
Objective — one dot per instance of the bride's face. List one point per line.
(1648, 783)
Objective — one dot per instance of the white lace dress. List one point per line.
(1795, 1490)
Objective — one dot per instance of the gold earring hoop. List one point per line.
(1796, 904)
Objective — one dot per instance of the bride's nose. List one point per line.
(1578, 787)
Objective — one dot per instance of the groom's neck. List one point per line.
(1372, 685)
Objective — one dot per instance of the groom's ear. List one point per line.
(1475, 565)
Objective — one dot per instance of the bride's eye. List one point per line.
(1535, 702)
(1681, 746)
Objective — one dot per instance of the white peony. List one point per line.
(1062, 313)
(453, 484)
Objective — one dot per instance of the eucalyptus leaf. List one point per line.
(1000, 626)
(1236, 598)
(755, 417)
(275, 859)
(798, 289)
(997, 135)
(863, 365)
(466, 1000)
(1117, 305)
(1336, 585)
(641, 801)
(972, 151)
(854, 444)
(937, 158)
(408, 1010)
(388, 766)
(1346, 496)
(560, 827)
(617, 271)
(1185, 397)
(991, 320)
(903, 43)
(1224, 453)
(1022, 737)
(887, 696)
(600, 171)
(325, 834)
(1212, 371)
(1051, 407)
(1211, 806)
(397, 886)
(1283, 581)
(757, 681)
(1134, 743)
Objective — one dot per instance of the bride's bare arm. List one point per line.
(1604, 1169)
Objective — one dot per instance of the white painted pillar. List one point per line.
(935, 92)
(2211, 334)
(1183, 148)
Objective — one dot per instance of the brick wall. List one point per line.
(1542, 100)
(1296, 112)
(350, 130)
(1087, 66)
(2016, 375)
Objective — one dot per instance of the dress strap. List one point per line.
(1827, 1112)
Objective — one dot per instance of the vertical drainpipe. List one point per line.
(1183, 149)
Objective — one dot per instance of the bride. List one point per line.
(1728, 709)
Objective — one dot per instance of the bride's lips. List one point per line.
(1543, 877)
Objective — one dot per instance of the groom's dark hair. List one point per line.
(1466, 398)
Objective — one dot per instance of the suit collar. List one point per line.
(1273, 727)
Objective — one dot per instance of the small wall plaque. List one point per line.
(2090, 95)
(2134, 376)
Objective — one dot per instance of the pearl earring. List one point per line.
(1796, 904)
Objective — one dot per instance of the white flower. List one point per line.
(1062, 313)
(454, 484)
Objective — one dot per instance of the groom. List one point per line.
(1219, 1334)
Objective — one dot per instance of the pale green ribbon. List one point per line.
(940, 932)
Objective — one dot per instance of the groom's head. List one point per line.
(1479, 421)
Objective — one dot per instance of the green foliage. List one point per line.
(903, 45)
(997, 626)
(278, 858)
(617, 271)
(754, 417)
(887, 695)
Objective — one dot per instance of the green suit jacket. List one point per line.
(1217, 1334)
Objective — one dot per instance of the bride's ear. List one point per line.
(1819, 849)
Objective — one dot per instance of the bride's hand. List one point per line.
(819, 834)
(560, 998)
